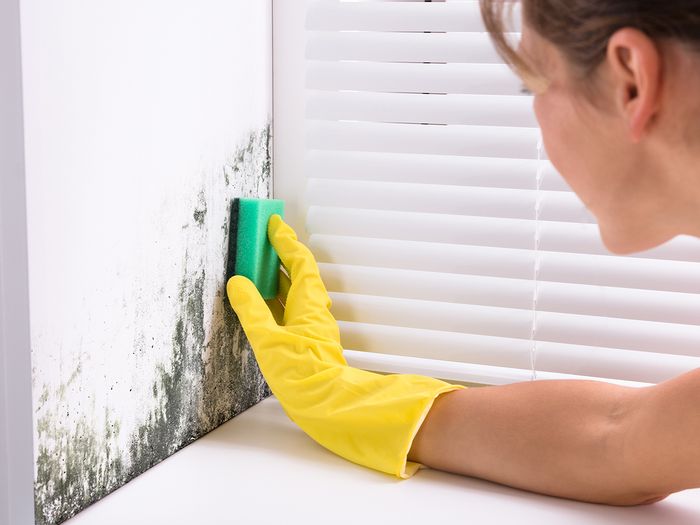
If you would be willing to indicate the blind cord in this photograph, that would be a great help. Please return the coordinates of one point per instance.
(536, 269)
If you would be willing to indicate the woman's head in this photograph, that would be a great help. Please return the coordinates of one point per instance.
(617, 95)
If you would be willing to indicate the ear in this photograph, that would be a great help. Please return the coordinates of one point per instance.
(635, 64)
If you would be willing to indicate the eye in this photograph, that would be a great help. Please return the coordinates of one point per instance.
(524, 90)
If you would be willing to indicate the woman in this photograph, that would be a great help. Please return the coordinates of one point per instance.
(617, 94)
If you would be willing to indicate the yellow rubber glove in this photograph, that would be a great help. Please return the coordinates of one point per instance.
(365, 417)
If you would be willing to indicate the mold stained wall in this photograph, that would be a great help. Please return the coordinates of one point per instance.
(143, 121)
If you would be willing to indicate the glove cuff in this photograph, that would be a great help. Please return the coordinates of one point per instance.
(409, 468)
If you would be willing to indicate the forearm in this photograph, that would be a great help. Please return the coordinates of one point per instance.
(563, 438)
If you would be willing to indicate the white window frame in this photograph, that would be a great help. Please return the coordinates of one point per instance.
(288, 81)
(16, 432)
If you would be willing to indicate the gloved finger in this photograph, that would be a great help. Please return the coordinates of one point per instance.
(255, 316)
(308, 305)
(285, 284)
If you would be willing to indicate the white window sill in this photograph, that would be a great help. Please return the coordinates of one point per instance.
(261, 468)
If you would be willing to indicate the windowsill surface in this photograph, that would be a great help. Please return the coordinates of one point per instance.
(261, 468)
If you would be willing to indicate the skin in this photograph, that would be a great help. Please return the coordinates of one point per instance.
(628, 145)
(627, 141)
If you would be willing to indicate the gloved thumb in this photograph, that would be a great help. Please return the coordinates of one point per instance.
(249, 305)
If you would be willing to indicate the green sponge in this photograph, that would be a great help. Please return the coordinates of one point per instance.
(250, 251)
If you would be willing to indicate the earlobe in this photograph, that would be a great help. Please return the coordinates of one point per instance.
(635, 64)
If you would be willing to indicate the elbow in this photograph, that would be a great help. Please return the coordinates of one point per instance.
(632, 499)
(628, 444)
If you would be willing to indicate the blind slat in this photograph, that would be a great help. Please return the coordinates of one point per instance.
(402, 47)
(448, 370)
(432, 198)
(427, 227)
(451, 346)
(394, 16)
(488, 79)
(627, 272)
(645, 367)
(472, 373)
(552, 358)
(433, 169)
(505, 232)
(579, 299)
(627, 334)
(476, 141)
(432, 315)
(494, 110)
(428, 286)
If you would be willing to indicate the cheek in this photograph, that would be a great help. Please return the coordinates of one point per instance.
(551, 119)
(563, 137)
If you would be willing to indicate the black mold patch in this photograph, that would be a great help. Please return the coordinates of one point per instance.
(201, 212)
(250, 165)
(85, 469)
(174, 422)
(206, 381)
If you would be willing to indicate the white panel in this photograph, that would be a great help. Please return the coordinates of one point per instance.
(402, 47)
(488, 79)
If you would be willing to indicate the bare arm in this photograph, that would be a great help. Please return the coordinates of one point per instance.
(663, 438)
(583, 440)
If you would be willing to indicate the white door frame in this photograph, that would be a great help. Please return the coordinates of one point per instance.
(16, 432)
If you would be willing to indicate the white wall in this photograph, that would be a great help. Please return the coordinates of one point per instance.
(142, 121)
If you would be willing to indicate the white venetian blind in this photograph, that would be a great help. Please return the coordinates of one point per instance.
(450, 246)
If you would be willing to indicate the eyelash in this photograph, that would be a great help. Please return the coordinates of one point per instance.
(524, 90)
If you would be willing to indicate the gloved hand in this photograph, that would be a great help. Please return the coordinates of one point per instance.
(365, 417)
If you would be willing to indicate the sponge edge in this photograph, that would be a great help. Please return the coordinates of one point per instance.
(256, 259)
